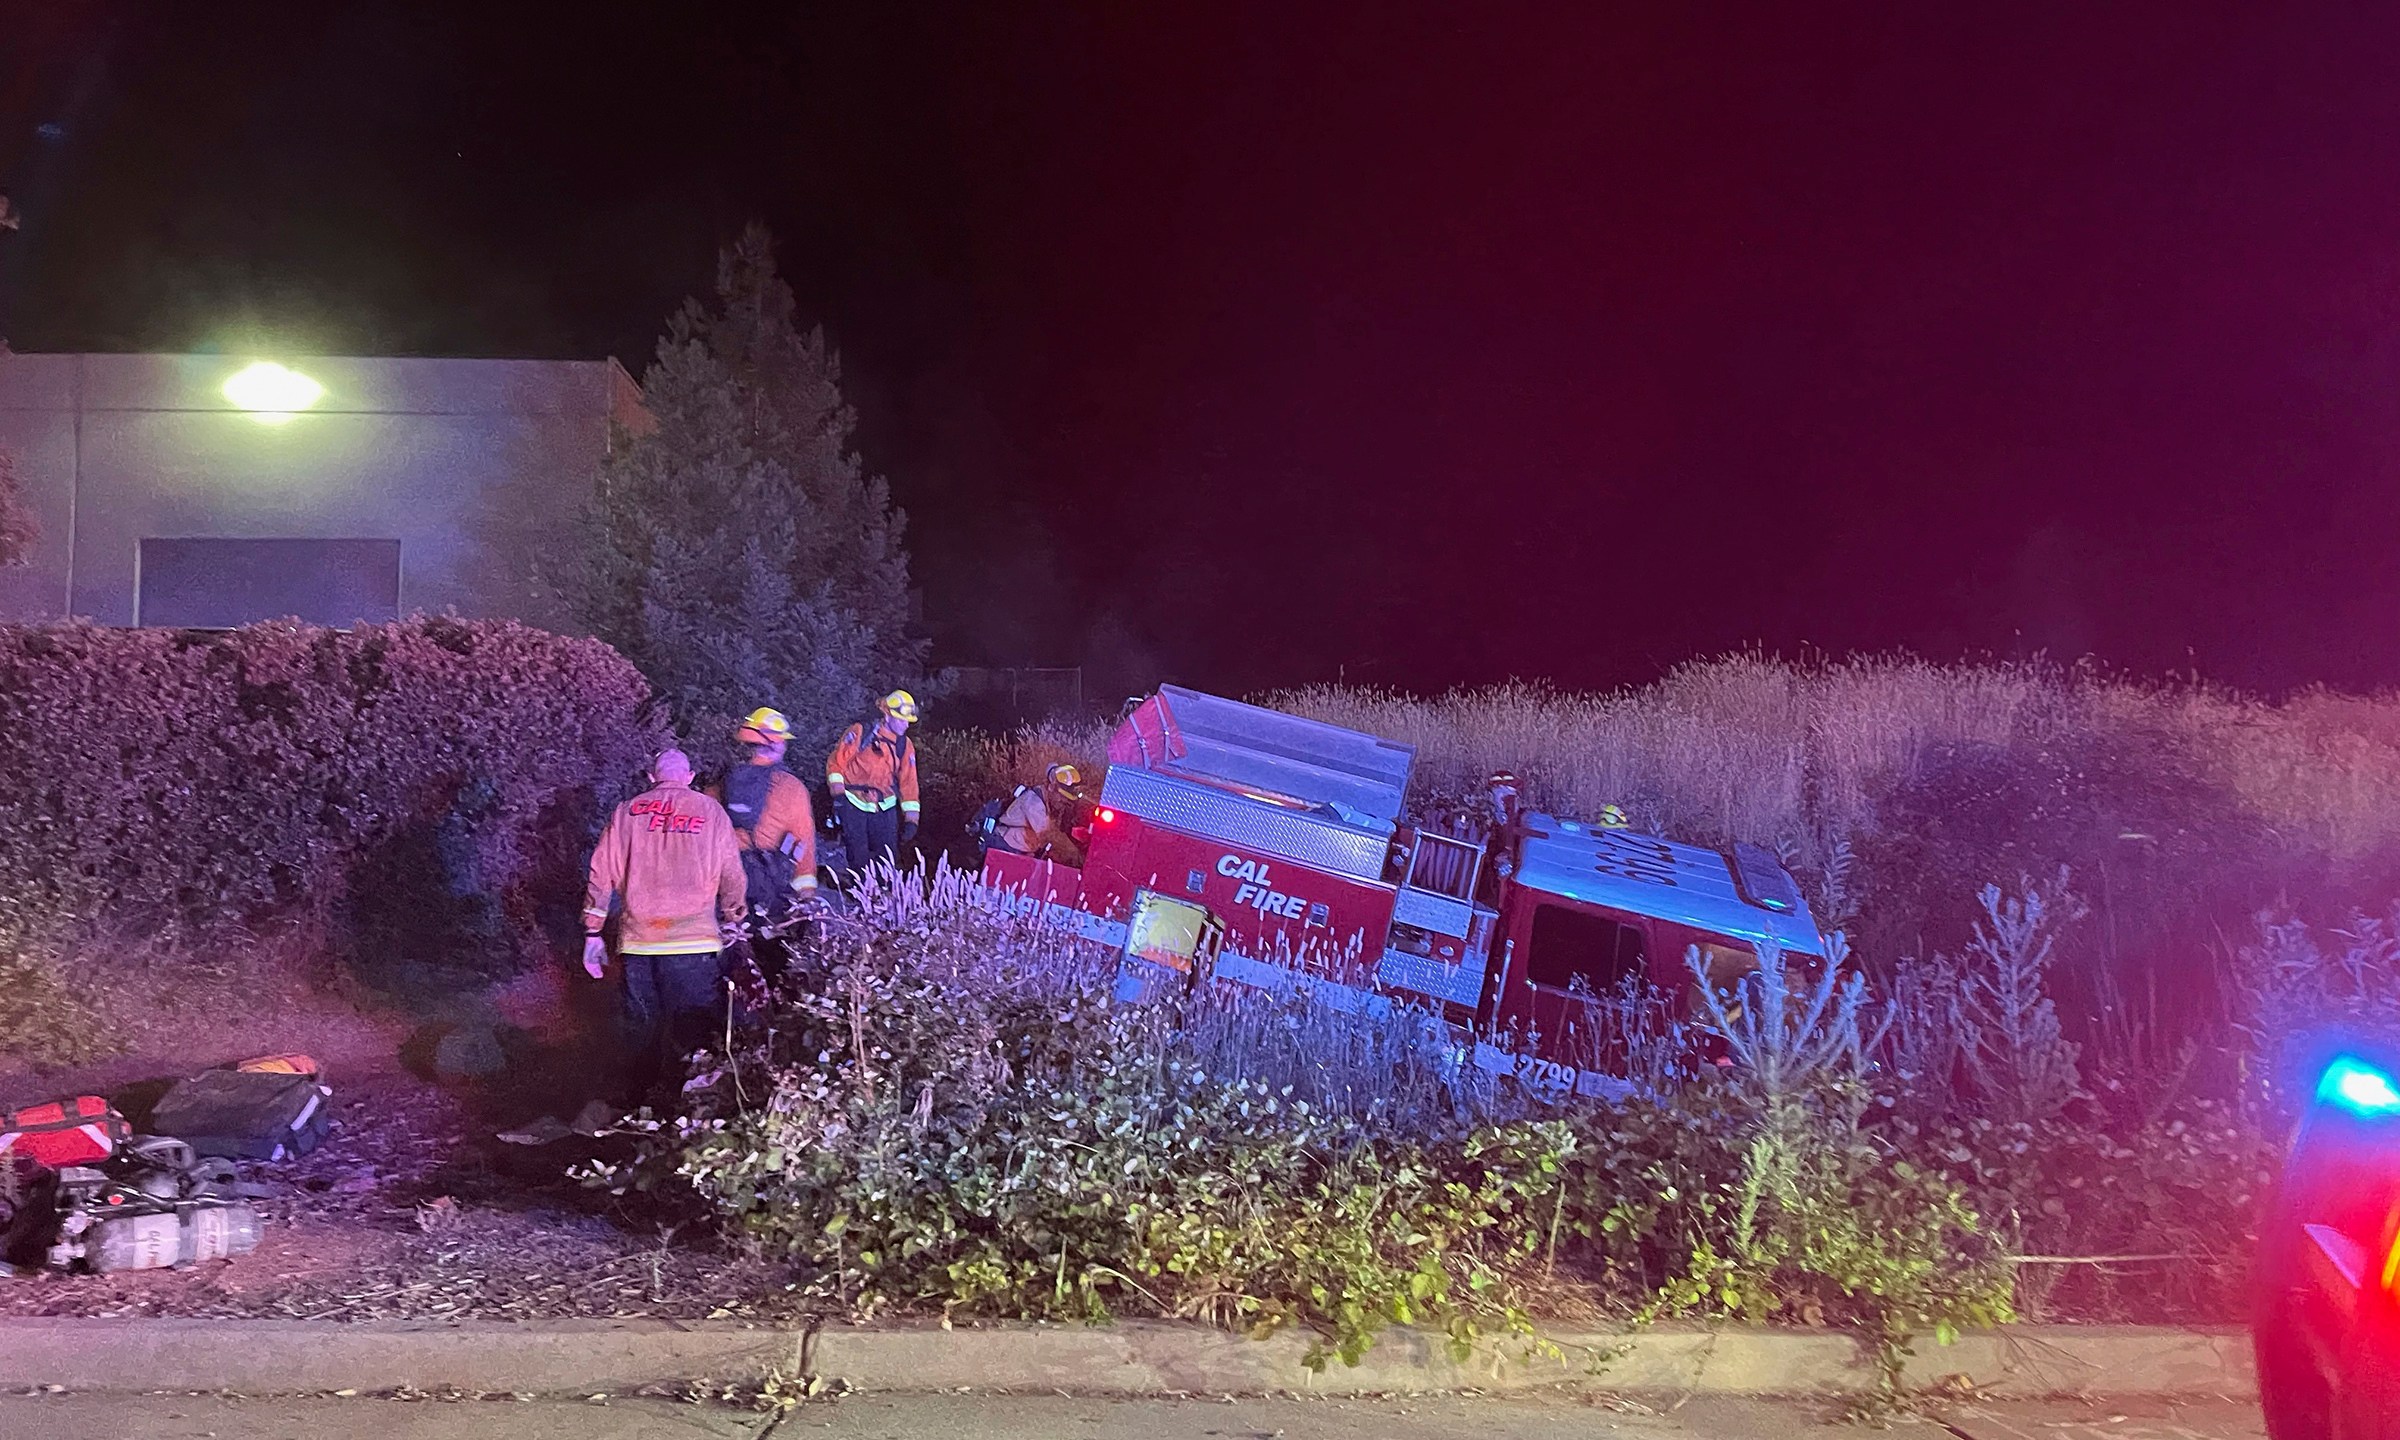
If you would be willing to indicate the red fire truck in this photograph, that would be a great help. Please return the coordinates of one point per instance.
(1255, 846)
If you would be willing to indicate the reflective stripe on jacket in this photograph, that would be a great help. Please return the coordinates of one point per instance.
(874, 771)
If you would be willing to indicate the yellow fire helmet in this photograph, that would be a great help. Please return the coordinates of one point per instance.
(764, 726)
(900, 705)
(1612, 817)
(1065, 777)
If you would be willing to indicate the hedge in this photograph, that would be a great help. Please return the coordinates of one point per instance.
(421, 790)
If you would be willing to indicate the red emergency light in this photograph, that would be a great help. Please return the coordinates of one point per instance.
(1105, 815)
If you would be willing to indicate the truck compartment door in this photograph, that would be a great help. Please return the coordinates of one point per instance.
(1168, 944)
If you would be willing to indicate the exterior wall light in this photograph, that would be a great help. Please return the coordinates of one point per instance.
(271, 393)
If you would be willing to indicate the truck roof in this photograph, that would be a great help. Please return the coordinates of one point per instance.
(1358, 779)
(1753, 900)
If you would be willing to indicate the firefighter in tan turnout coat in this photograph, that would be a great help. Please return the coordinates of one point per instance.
(670, 862)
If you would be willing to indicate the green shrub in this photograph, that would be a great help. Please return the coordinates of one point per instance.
(405, 787)
(2125, 1193)
(1775, 1185)
(952, 1116)
(960, 1120)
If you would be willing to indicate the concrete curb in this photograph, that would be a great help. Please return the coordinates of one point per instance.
(620, 1356)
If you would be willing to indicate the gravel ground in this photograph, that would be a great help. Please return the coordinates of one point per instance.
(413, 1211)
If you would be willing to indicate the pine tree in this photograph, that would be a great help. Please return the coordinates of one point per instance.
(739, 553)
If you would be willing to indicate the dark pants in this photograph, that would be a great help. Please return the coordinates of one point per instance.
(775, 954)
(869, 836)
(673, 1004)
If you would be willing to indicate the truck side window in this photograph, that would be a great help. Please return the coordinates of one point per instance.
(1728, 965)
(1572, 947)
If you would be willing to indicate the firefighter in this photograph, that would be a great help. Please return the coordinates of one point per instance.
(669, 857)
(1612, 817)
(872, 776)
(776, 828)
(1039, 821)
(1500, 792)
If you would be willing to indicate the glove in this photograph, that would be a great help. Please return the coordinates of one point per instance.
(595, 956)
(908, 831)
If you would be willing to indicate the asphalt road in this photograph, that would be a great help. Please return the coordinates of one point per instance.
(973, 1417)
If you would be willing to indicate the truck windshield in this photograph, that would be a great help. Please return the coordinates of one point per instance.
(1575, 949)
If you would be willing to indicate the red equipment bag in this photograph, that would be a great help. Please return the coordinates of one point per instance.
(82, 1130)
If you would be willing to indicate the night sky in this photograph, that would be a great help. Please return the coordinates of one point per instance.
(1249, 344)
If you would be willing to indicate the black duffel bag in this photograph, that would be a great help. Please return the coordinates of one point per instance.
(246, 1115)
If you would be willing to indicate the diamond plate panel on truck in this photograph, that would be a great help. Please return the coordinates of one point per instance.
(1253, 825)
(1460, 984)
(1254, 748)
(1428, 911)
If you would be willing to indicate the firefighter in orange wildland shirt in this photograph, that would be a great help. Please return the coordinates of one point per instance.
(670, 858)
(872, 775)
(776, 827)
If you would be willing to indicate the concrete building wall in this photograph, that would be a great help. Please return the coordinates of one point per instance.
(462, 462)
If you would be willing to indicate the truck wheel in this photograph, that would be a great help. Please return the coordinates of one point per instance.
(2297, 1401)
(2367, 1405)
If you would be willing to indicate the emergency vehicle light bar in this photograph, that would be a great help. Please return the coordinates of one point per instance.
(2352, 1084)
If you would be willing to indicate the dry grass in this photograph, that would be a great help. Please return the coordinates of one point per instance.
(961, 769)
(1796, 754)
(2178, 811)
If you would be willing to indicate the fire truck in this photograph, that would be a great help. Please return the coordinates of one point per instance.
(1236, 843)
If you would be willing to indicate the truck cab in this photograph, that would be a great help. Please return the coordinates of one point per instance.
(1282, 845)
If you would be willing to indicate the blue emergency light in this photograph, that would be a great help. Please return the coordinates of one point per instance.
(2359, 1088)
